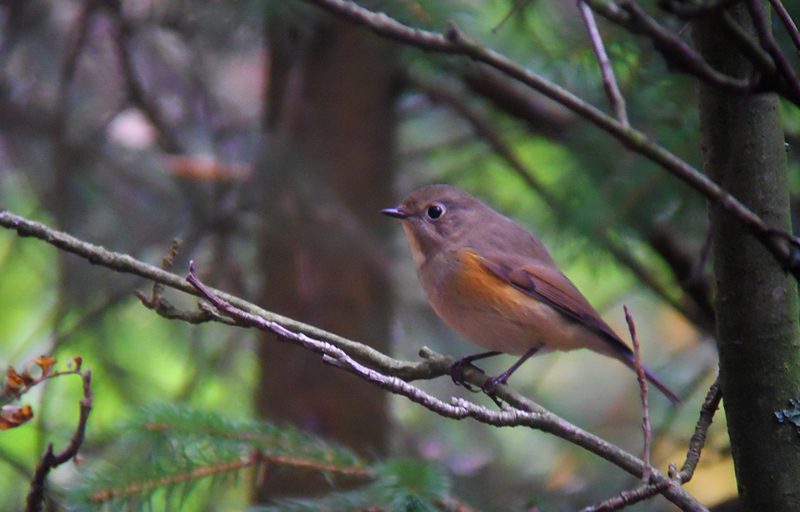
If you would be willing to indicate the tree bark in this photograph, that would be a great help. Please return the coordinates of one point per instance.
(325, 174)
(756, 302)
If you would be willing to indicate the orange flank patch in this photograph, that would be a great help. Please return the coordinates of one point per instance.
(476, 282)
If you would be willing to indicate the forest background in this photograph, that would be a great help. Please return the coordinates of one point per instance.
(267, 136)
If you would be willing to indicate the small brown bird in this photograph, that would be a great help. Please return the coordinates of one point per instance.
(495, 283)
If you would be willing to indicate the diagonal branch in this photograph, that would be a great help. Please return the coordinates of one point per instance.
(768, 42)
(782, 245)
(124, 263)
(606, 70)
(707, 411)
(787, 21)
(640, 375)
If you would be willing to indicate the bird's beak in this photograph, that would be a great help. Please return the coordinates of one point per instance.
(397, 213)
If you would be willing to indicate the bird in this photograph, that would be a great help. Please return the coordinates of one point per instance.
(494, 282)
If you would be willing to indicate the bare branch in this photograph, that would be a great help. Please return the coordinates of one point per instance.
(51, 461)
(680, 55)
(783, 246)
(768, 42)
(606, 70)
(698, 440)
(124, 263)
(787, 21)
(640, 375)
(627, 498)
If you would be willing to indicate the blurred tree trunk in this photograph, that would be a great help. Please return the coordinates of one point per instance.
(325, 173)
(756, 303)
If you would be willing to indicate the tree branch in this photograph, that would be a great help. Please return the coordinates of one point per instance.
(767, 40)
(124, 263)
(787, 21)
(627, 498)
(606, 70)
(707, 411)
(51, 461)
(640, 376)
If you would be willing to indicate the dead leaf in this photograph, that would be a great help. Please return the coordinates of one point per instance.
(16, 382)
(45, 363)
(12, 416)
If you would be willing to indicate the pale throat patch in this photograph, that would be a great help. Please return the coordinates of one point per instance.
(416, 250)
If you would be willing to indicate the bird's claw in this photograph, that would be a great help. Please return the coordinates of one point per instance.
(457, 374)
(489, 387)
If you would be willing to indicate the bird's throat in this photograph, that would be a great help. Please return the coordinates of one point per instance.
(416, 249)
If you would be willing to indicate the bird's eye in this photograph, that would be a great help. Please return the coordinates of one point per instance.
(435, 211)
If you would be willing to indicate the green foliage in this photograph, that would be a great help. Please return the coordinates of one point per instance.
(171, 449)
(164, 453)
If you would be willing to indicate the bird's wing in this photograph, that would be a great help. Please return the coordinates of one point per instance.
(552, 287)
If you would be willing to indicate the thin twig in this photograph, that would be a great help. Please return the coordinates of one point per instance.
(124, 263)
(518, 5)
(628, 498)
(615, 97)
(640, 375)
(769, 43)
(787, 21)
(51, 461)
(784, 247)
(707, 411)
(676, 52)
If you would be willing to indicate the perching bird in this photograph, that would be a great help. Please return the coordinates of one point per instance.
(495, 283)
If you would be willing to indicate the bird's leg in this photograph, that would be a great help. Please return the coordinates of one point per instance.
(490, 386)
(457, 370)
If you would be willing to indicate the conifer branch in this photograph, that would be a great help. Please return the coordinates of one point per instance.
(142, 488)
(178, 447)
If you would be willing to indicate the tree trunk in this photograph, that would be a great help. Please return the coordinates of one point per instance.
(325, 174)
(756, 302)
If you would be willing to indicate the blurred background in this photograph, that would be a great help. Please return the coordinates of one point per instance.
(267, 136)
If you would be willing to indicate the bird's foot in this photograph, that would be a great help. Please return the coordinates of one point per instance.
(490, 386)
(490, 389)
(457, 373)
